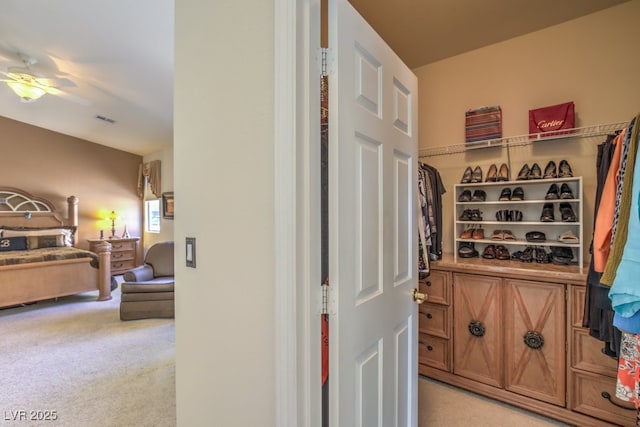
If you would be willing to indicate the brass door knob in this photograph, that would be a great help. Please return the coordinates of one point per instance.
(418, 296)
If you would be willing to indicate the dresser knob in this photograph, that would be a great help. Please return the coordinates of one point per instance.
(429, 348)
(428, 283)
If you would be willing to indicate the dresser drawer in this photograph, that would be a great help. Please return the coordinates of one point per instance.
(434, 320)
(434, 352)
(122, 266)
(587, 354)
(437, 287)
(587, 398)
(123, 246)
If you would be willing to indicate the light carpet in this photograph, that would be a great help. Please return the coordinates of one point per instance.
(75, 361)
(442, 405)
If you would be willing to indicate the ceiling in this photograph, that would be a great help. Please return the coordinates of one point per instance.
(118, 54)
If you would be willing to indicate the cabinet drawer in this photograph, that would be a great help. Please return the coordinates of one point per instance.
(434, 320)
(434, 352)
(119, 266)
(587, 354)
(122, 255)
(437, 288)
(123, 246)
(586, 397)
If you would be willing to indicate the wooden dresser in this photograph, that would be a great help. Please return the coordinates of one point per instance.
(512, 331)
(123, 253)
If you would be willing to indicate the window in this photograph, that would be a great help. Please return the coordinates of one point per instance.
(152, 215)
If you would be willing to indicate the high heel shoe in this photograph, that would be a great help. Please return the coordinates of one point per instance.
(524, 172)
(466, 176)
(476, 176)
(503, 174)
(492, 174)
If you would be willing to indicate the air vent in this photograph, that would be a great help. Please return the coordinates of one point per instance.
(105, 119)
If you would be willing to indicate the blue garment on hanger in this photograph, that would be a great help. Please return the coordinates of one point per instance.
(625, 289)
(627, 324)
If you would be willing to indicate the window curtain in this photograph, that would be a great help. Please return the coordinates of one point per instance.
(149, 173)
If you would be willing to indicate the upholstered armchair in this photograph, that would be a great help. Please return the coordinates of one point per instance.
(148, 290)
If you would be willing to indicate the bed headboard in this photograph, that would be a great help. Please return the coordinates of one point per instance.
(19, 208)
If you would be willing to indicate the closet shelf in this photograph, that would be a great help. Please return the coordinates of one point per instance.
(514, 141)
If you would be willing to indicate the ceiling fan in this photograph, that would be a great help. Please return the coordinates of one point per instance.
(30, 85)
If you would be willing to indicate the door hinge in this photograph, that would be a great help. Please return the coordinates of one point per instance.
(326, 61)
(326, 301)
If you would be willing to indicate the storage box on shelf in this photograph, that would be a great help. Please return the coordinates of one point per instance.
(519, 217)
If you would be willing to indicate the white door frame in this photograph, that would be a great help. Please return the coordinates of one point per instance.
(297, 213)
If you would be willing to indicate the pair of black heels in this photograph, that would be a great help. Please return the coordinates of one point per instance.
(562, 171)
(471, 215)
(471, 176)
(516, 195)
(555, 193)
(477, 196)
(566, 213)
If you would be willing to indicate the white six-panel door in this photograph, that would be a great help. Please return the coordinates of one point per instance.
(372, 226)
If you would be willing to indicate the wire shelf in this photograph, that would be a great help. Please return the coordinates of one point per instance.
(514, 141)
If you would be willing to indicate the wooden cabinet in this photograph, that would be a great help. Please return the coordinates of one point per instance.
(510, 334)
(592, 374)
(478, 336)
(534, 327)
(123, 253)
(513, 333)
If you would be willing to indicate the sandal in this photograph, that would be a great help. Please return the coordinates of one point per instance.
(497, 235)
(508, 235)
(568, 237)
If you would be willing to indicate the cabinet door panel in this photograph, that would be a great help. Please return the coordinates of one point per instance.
(477, 328)
(535, 340)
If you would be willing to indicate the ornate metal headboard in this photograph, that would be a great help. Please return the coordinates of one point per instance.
(20, 208)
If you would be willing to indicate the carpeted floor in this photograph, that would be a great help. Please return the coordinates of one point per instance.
(441, 405)
(74, 362)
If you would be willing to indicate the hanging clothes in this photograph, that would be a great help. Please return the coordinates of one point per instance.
(598, 314)
(430, 191)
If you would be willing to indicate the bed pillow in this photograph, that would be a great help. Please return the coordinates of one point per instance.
(66, 231)
(49, 241)
(13, 243)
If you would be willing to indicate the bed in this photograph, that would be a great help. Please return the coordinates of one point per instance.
(39, 257)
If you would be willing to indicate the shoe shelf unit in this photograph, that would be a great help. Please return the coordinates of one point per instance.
(484, 215)
(514, 141)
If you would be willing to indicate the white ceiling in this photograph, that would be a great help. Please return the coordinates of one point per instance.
(119, 53)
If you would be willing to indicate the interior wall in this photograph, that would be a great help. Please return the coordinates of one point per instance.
(55, 166)
(589, 60)
(224, 186)
(166, 184)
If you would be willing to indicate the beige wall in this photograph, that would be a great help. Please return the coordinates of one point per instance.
(590, 61)
(224, 186)
(56, 166)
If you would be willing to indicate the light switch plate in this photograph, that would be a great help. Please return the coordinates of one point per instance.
(191, 252)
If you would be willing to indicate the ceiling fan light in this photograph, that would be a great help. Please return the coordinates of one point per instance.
(26, 91)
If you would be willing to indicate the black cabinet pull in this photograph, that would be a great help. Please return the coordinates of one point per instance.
(533, 340)
(428, 283)
(608, 397)
(429, 316)
(476, 328)
(429, 348)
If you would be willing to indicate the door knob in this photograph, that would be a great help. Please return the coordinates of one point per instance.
(418, 296)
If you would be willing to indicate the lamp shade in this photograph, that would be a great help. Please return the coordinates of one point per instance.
(26, 91)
